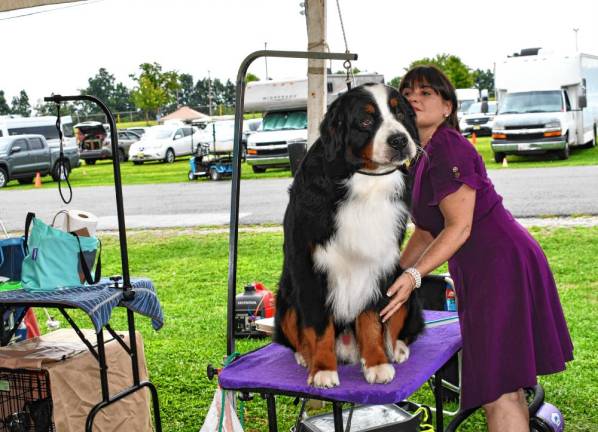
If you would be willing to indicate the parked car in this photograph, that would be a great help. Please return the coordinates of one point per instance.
(474, 120)
(165, 143)
(95, 143)
(22, 156)
(139, 130)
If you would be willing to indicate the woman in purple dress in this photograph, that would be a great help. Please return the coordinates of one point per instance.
(512, 323)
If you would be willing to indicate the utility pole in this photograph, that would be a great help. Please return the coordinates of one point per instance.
(315, 17)
(266, 59)
(210, 94)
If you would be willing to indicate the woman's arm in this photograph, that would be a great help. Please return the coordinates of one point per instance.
(417, 244)
(457, 209)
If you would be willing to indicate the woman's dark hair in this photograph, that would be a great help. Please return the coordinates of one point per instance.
(432, 76)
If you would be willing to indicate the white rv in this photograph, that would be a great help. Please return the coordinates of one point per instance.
(548, 103)
(284, 104)
(43, 125)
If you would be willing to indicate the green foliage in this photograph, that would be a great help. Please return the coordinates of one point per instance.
(103, 86)
(4, 108)
(20, 104)
(456, 71)
(395, 82)
(251, 77)
(484, 79)
(155, 89)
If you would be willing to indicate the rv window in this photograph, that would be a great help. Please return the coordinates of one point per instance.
(50, 132)
(285, 120)
(532, 102)
(567, 103)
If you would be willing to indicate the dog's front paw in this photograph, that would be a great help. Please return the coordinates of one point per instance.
(380, 374)
(300, 360)
(324, 379)
(401, 352)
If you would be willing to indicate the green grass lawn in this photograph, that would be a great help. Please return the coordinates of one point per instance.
(189, 269)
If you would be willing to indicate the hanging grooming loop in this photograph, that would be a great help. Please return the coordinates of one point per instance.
(62, 169)
(128, 292)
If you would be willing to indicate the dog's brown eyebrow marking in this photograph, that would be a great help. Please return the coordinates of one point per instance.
(393, 102)
(369, 108)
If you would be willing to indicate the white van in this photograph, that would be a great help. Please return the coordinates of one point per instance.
(43, 125)
(284, 104)
(548, 103)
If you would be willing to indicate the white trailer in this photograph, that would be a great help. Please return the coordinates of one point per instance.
(284, 104)
(548, 103)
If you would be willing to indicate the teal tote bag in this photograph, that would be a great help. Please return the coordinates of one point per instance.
(57, 259)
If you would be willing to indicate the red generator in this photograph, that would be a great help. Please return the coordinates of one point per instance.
(255, 303)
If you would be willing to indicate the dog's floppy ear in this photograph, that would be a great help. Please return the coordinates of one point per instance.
(332, 130)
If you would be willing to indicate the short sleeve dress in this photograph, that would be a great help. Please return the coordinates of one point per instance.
(512, 323)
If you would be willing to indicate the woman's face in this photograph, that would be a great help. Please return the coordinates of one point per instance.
(430, 108)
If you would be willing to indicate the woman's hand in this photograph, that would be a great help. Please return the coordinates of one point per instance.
(400, 291)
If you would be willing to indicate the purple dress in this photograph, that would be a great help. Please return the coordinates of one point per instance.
(511, 318)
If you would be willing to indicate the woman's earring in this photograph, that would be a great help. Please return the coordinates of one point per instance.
(446, 115)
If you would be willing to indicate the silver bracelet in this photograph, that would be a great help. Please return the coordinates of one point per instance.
(416, 275)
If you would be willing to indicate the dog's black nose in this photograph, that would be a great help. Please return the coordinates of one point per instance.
(397, 141)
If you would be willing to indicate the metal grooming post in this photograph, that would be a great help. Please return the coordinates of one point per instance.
(236, 180)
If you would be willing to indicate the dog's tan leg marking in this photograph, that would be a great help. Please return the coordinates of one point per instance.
(394, 326)
(291, 331)
(370, 337)
(322, 357)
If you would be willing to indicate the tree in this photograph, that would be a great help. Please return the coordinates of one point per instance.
(395, 82)
(20, 104)
(103, 86)
(251, 77)
(484, 79)
(4, 108)
(456, 71)
(155, 89)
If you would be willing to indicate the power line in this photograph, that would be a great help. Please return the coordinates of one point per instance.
(81, 3)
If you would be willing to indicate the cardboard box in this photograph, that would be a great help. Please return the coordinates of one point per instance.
(75, 379)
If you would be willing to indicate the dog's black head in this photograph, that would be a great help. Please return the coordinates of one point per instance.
(371, 127)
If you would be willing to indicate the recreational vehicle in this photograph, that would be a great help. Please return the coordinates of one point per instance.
(284, 104)
(548, 103)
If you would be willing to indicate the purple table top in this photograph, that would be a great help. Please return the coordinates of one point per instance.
(273, 368)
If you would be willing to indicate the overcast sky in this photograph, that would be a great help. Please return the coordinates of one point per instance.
(58, 50)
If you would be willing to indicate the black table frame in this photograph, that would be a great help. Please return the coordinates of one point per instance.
(127, 289)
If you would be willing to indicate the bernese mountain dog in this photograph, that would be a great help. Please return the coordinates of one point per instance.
(343, 226)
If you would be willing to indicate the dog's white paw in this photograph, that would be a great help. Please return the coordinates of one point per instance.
(380, 374)
(401, 351)
(324, 379)
(300, 360)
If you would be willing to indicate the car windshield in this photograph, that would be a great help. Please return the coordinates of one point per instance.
(476, 108)
(158, 133)
(464, 105)
(4, 144)
(285, 120)
(532, 102)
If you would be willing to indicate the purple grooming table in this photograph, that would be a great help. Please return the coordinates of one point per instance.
(272, 369)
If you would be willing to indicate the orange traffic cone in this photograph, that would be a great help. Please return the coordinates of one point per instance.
(38, 180)
(474, 138)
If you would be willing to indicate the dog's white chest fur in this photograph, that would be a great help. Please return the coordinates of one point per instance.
(365, 246)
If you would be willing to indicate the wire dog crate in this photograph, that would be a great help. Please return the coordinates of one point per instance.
(25, 401)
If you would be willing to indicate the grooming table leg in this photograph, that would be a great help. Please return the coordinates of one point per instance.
(438, 399)
(337, 411)
(272, 422)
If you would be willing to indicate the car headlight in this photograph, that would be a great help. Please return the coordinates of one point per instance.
(553, 124)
